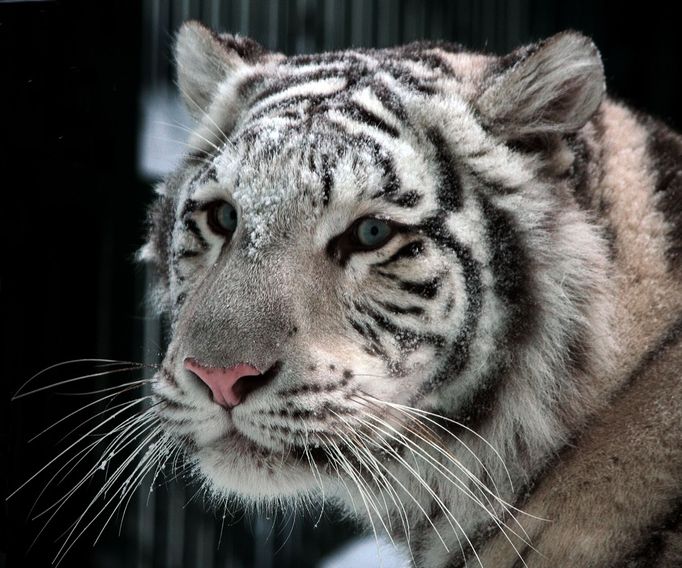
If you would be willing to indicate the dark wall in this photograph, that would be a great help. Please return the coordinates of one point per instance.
(72, 205)
(71, 219)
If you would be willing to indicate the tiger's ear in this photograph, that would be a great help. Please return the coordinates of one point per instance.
(554, 86)
(204, 59)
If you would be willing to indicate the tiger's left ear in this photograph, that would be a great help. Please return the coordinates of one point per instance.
(205, 59)
(553, 87)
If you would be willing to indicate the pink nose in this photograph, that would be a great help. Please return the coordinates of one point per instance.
(223, 381)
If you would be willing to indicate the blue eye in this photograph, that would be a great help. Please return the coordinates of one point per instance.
(373, 233)
(221, 217)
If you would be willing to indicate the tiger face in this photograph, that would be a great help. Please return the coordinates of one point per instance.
(373, 259)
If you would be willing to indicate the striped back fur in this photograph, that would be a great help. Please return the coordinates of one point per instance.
(427, 382)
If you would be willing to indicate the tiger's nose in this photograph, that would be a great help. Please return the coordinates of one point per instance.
(229, 385)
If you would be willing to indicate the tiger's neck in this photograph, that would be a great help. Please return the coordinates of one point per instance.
(558, 380)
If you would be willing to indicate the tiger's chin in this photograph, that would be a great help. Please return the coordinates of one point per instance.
(235, 466)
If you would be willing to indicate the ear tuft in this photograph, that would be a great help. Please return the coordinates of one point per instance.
(204, 59)
(554, 86)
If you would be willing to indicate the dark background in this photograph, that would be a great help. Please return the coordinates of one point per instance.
(72, 76)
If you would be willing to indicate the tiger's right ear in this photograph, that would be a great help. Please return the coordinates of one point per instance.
(204, 59)
(554, 86)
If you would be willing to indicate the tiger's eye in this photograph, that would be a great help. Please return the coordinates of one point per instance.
(222, 217)
(373, 233)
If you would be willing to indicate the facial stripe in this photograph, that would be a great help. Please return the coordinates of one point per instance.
(191, 225)
(450, 188)
(402, 310)
(512, 269)
(410, 250)
(459, 348)
(427, 289)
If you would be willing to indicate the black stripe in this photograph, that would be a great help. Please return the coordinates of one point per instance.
(458, 357)
(327, 181)
(427, 290)
(661, 546)
(382, 158)
(406, 338)
(314, 105)
(357, 327)
(375, 348)
(410, 250)
(407, 199)
(186, 253)
(362, 114)
(523, 555)
(246, 48)
(189, 206)
(512, 269)
(191, 225)
(665, 150)
(170, 377)
(671, 337)
(587, 169)
(449, 192)
(171, 404)
(160, 220)
(278, 85)
(401, 73)
(390, 101)
(583, 160)
(182, 296)
(409, 310)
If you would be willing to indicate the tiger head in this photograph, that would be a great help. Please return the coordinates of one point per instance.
(369, 254)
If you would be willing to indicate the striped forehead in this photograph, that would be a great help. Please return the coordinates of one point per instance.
(358, 83)
(311, 120)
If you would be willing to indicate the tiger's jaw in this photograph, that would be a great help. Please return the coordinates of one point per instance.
(229, 459)
(235, 465)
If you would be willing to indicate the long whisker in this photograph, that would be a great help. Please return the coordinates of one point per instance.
(337, 455)
(190, 131)
(80, 409)
(385, 483)
(435, 443)
(73, 362)
(127, 432)
(25, 483)
(187, 96)
(507, 507)
(81, 378)
(447, 474)
(390, 450)
(456, 423)
(139, 382)
(314, 469)
(448, 514)
(70, 541)
(362, 460)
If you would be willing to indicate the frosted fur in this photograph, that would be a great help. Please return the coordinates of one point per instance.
(425, 385)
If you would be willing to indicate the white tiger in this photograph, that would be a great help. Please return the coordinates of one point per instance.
(428, 284)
